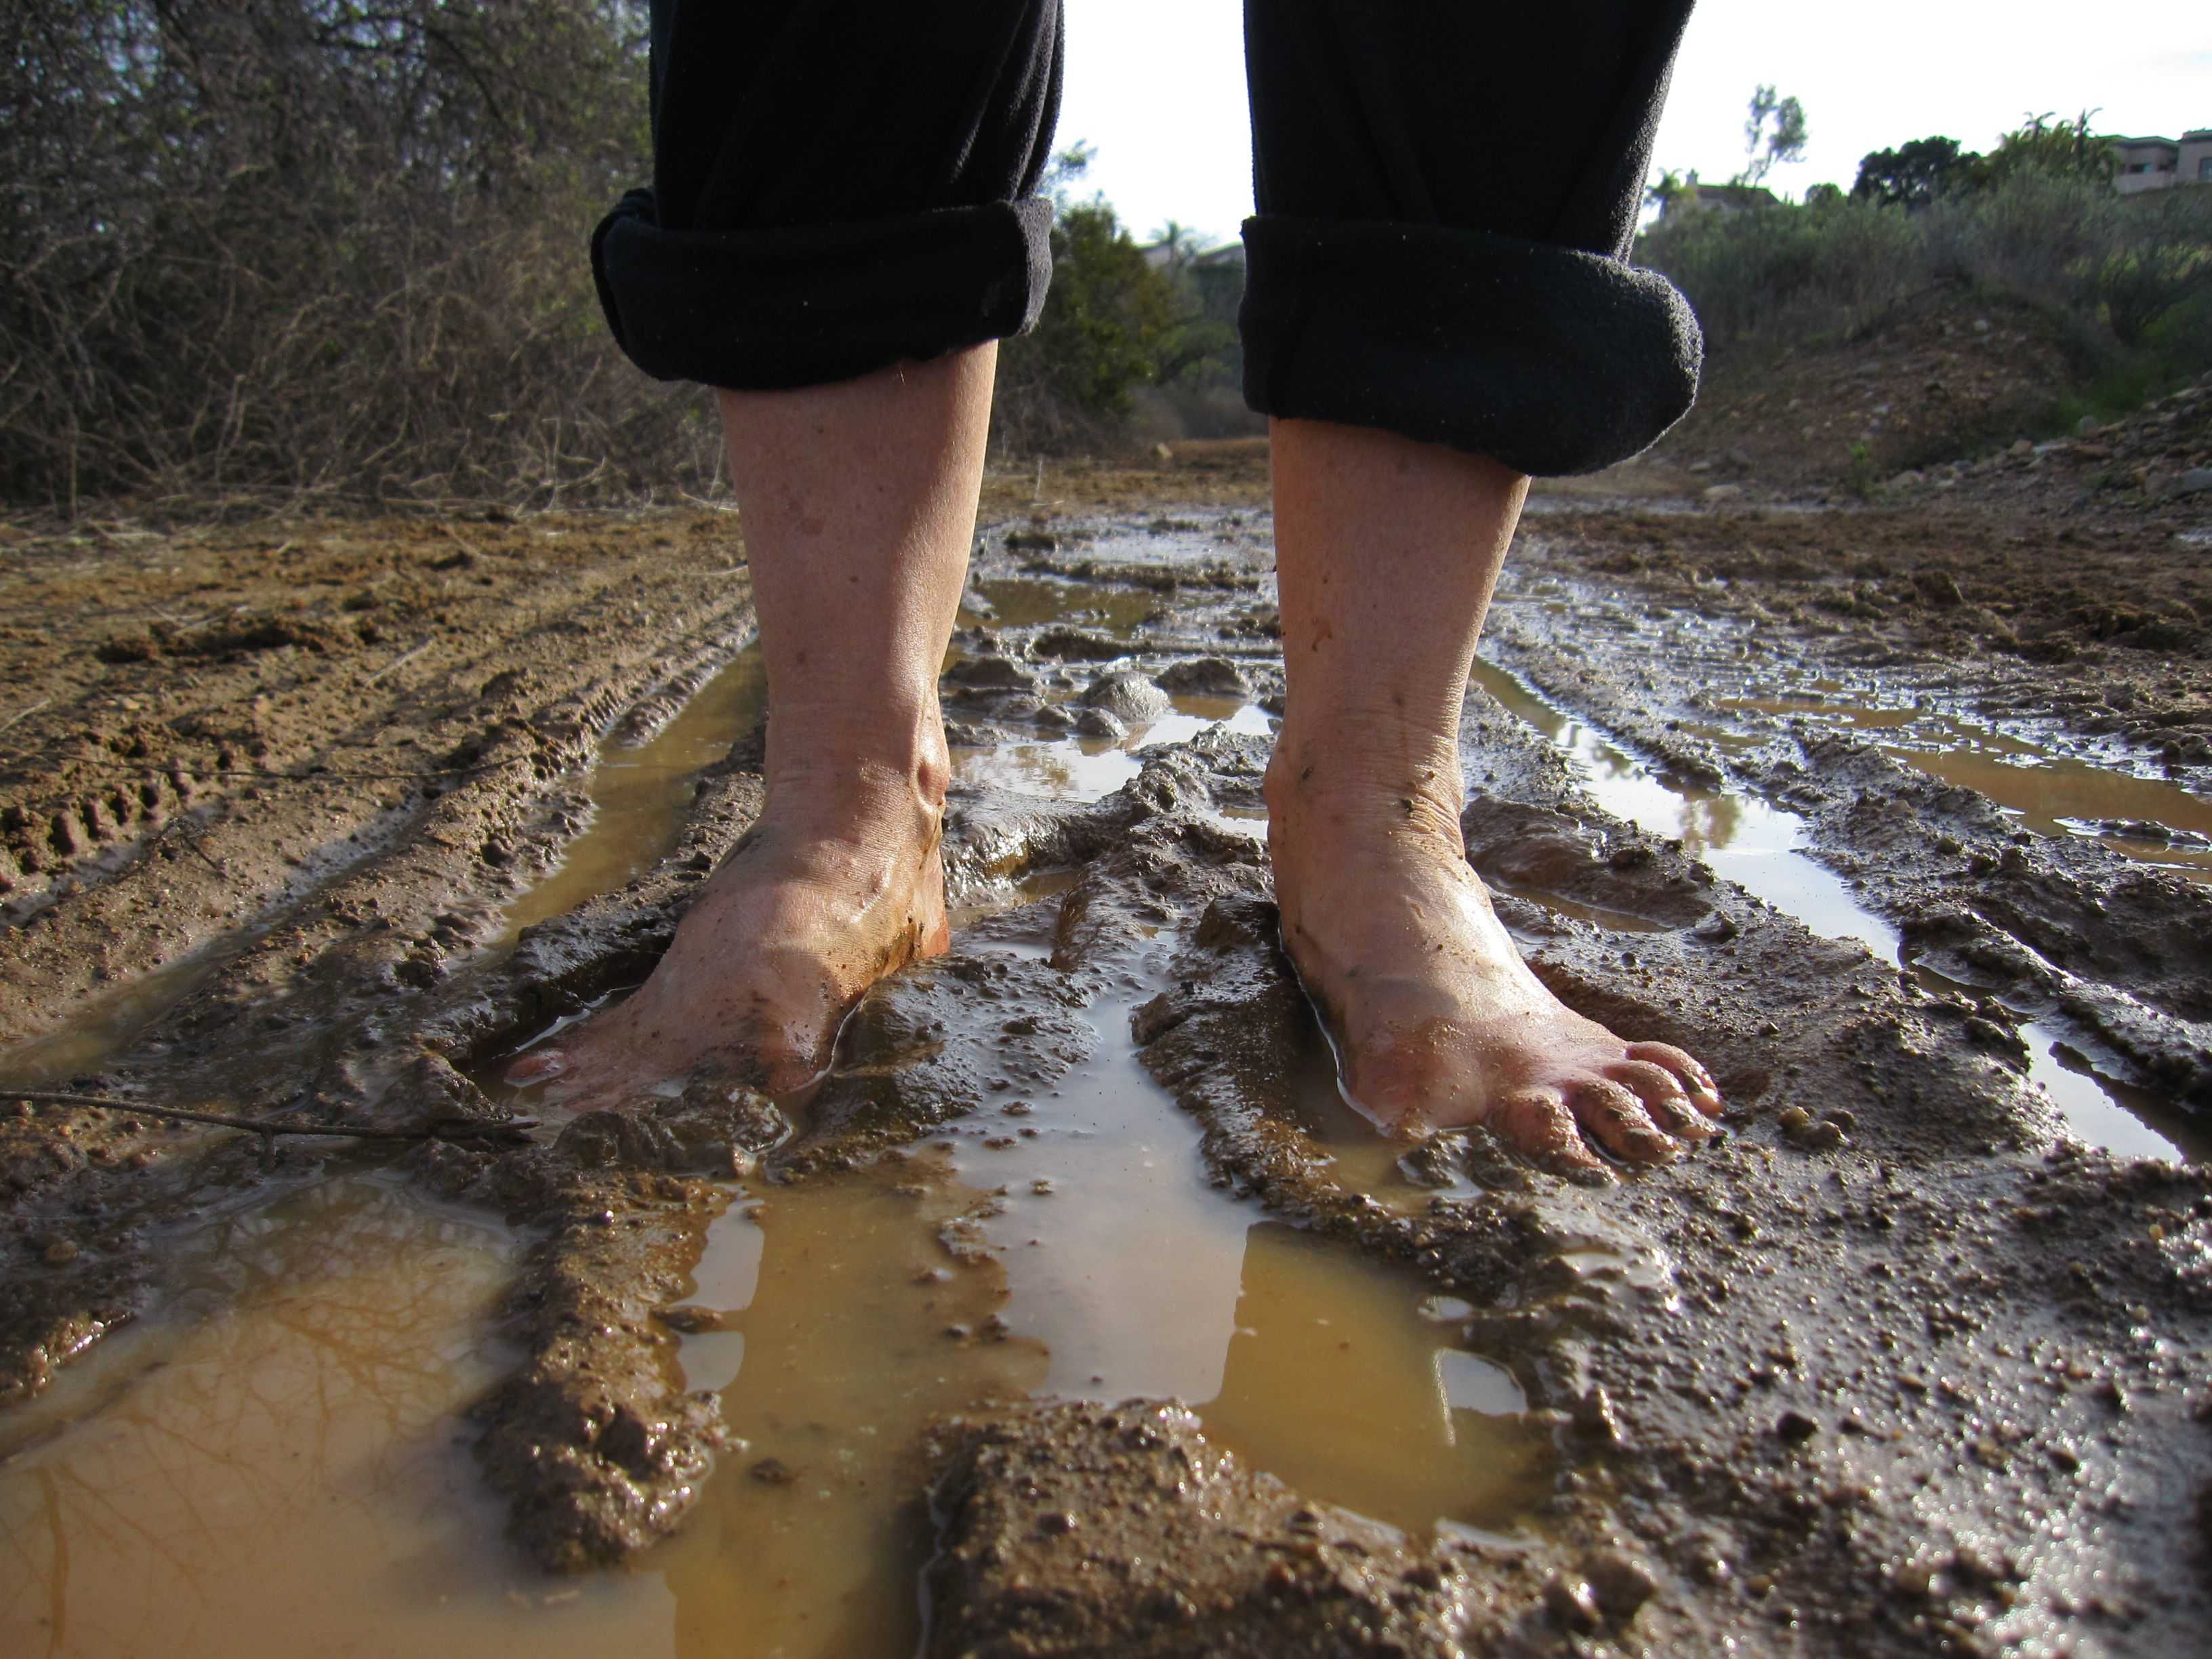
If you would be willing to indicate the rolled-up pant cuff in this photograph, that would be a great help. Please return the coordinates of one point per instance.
(1547, 359)
(771, 309)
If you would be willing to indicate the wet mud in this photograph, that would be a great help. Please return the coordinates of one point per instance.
(1074, 1312)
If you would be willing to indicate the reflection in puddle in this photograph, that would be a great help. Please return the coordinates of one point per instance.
(1760, 848)
(1075, 768)
(640, 793)
(274, 1464)
(2099, 1110)
(1336, 1383)
(846, 1330)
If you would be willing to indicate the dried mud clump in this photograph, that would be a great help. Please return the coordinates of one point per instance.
(1075, 1530)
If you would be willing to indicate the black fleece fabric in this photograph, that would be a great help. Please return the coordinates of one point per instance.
(1446, 194)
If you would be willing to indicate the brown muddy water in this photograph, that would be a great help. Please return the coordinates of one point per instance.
(279, 1460)
(1761, 847)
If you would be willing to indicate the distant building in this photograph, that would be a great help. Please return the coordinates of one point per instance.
(2161, 163)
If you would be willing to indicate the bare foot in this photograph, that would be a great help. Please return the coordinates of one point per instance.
(1437, 1021)
(819, 901)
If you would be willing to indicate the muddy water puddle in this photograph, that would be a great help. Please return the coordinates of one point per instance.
(272, 1463)
(1757, 846)
(280, 1458)
(639, 792)
(2143, 819)
(1039, 601)
(1071, 767)
(1762, 848)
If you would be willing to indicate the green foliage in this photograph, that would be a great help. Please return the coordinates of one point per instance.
(1776, 266)
(1917, 173)
(2055, 148)
(1667, 188)
(2124, 282)
(2157, 264)
(1860, 479)
(1109, 315)
(1114, 321)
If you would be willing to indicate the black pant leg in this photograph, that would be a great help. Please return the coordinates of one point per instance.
(1447, 192)
(837, 186)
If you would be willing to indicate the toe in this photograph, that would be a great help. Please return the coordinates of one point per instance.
(1663, 1096)
(1696, 1082)
(1617, 1118)
(1536, 1121)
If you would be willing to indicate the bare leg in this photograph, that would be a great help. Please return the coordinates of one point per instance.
(859, 504)
(1388, 553)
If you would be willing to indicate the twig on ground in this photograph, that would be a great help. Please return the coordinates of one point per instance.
(397, 663)
(447, 1128)
(25, 713)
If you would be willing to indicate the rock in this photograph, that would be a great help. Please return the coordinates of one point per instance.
(2086, 426)
(1212, 676)
(1077, 644)
(2195, 482)
(1906, 479)
(1621, 1583)
(1101, 723)
(1723, 492)
(1939, 589)
(1128, 695)
(1573, 1604)
(991, 674)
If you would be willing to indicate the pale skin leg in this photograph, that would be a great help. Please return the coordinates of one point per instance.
(858, 503)
(1387, 554)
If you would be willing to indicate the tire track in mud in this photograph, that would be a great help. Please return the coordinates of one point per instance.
(1888, 1370)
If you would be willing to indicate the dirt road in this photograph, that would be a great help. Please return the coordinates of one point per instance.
(1893, 814)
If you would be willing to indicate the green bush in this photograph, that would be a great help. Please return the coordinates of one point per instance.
(1114, 321)
(2126, 282)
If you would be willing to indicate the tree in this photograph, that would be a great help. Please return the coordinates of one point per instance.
(2066, 149)
(1668, 188)
(1914, 174)
(1762, 148)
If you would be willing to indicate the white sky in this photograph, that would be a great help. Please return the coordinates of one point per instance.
(1158, 87)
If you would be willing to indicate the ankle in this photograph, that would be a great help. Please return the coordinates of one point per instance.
(1342, 790)
(852, 795)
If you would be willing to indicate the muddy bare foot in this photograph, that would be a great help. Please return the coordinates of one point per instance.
(1437, 1021)
(817, 902)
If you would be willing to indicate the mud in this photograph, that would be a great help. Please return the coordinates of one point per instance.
(1901, 1365)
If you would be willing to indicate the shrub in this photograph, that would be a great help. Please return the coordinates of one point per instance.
(317, 246)
(2108, 270)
